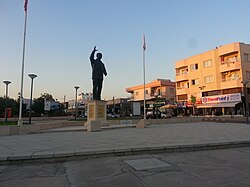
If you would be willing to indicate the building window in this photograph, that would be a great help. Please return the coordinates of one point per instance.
(136, 93)
(193, 67)
(195, 82)
(246, 57)
(248, 74)
(207, 63)
(182, 97)
(146, 91)
(209, 79)
(172, 100)
(171, 90)
(159, 92)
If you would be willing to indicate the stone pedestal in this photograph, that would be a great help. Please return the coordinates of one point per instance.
(97, 115)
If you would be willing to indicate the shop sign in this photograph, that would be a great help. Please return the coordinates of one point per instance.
(222, 98)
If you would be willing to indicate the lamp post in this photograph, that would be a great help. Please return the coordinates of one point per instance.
(32, 76)
(6, 97)
(246, 99)
(76, 105)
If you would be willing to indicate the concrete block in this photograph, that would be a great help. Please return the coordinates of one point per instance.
(142, 123)
(4, 130)
(93, 126)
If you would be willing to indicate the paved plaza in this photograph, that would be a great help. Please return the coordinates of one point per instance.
(126, 141)
(214, 168)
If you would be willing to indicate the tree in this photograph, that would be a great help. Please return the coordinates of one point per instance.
(38, 105)
(193, 101)
(11, 103)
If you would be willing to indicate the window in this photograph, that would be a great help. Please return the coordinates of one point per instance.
(193, 67)
(159, 92)
(209, 79)
(195, 82)
(171, 90)
(207, 63)
(136, 93)
(246, 57)
(182, 97)
(248, 74)
(146, 91)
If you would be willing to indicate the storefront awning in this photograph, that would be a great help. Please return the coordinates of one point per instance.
(217, 105)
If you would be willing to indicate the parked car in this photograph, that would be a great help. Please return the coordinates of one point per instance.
(157, 114)
(113, 115)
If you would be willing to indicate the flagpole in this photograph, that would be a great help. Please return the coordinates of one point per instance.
(20, 122)
(144, 75)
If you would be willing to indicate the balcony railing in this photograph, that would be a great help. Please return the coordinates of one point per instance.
(230, 79)
(230, 83)
(181, 73)
(230, 66)
(181, 76)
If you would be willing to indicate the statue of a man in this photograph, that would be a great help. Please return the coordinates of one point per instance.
(98, 69)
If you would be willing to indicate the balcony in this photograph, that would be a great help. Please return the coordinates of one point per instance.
(231, 83)
(181, 91)
(181, 76)
(230, 66)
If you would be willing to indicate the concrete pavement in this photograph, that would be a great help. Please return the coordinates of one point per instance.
(78, 144)
(214, 168)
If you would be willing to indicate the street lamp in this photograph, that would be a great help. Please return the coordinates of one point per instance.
(32, 76)
(246, 99)
(6, 97)
(76, 106)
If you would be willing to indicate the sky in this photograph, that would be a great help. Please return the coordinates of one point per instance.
(61, 35)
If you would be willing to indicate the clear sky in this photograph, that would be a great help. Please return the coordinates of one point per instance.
(62, 33)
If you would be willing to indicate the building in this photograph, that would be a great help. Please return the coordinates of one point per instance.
(213, 80)
(159, 91)
(82, 102)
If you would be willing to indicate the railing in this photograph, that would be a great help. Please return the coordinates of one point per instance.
(230, 60)
(182, 73)
(230, 79)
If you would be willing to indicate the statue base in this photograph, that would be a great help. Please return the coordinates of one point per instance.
(97, 115)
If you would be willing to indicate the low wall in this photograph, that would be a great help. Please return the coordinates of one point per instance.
(39, 128)
(35, 128)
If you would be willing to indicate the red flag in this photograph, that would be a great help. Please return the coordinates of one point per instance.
(25, 5)
(144, 43)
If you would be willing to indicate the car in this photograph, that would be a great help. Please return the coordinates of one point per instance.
(113, 115)
(153, 114)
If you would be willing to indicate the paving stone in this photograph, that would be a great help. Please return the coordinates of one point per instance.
(146, 163)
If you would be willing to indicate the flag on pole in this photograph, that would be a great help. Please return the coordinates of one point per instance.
(144, 43)
(25, 5)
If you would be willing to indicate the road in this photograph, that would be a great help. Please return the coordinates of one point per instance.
(225, 167)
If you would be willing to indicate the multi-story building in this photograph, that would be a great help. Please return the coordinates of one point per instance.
(157, 90)
(214, 79)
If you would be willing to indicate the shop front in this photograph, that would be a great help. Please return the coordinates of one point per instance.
(229, 104)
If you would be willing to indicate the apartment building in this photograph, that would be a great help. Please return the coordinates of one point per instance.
(213, 80)
(159, 89)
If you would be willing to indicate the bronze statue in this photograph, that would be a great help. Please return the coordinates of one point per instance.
(98, 69)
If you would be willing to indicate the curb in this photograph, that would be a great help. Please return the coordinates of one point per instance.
(61, 156)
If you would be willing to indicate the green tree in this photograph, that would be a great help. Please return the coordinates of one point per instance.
(11, 103)
(193, 101)
(38, 104)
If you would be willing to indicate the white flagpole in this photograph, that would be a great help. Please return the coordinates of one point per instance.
(144, 75)
(20, 122)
